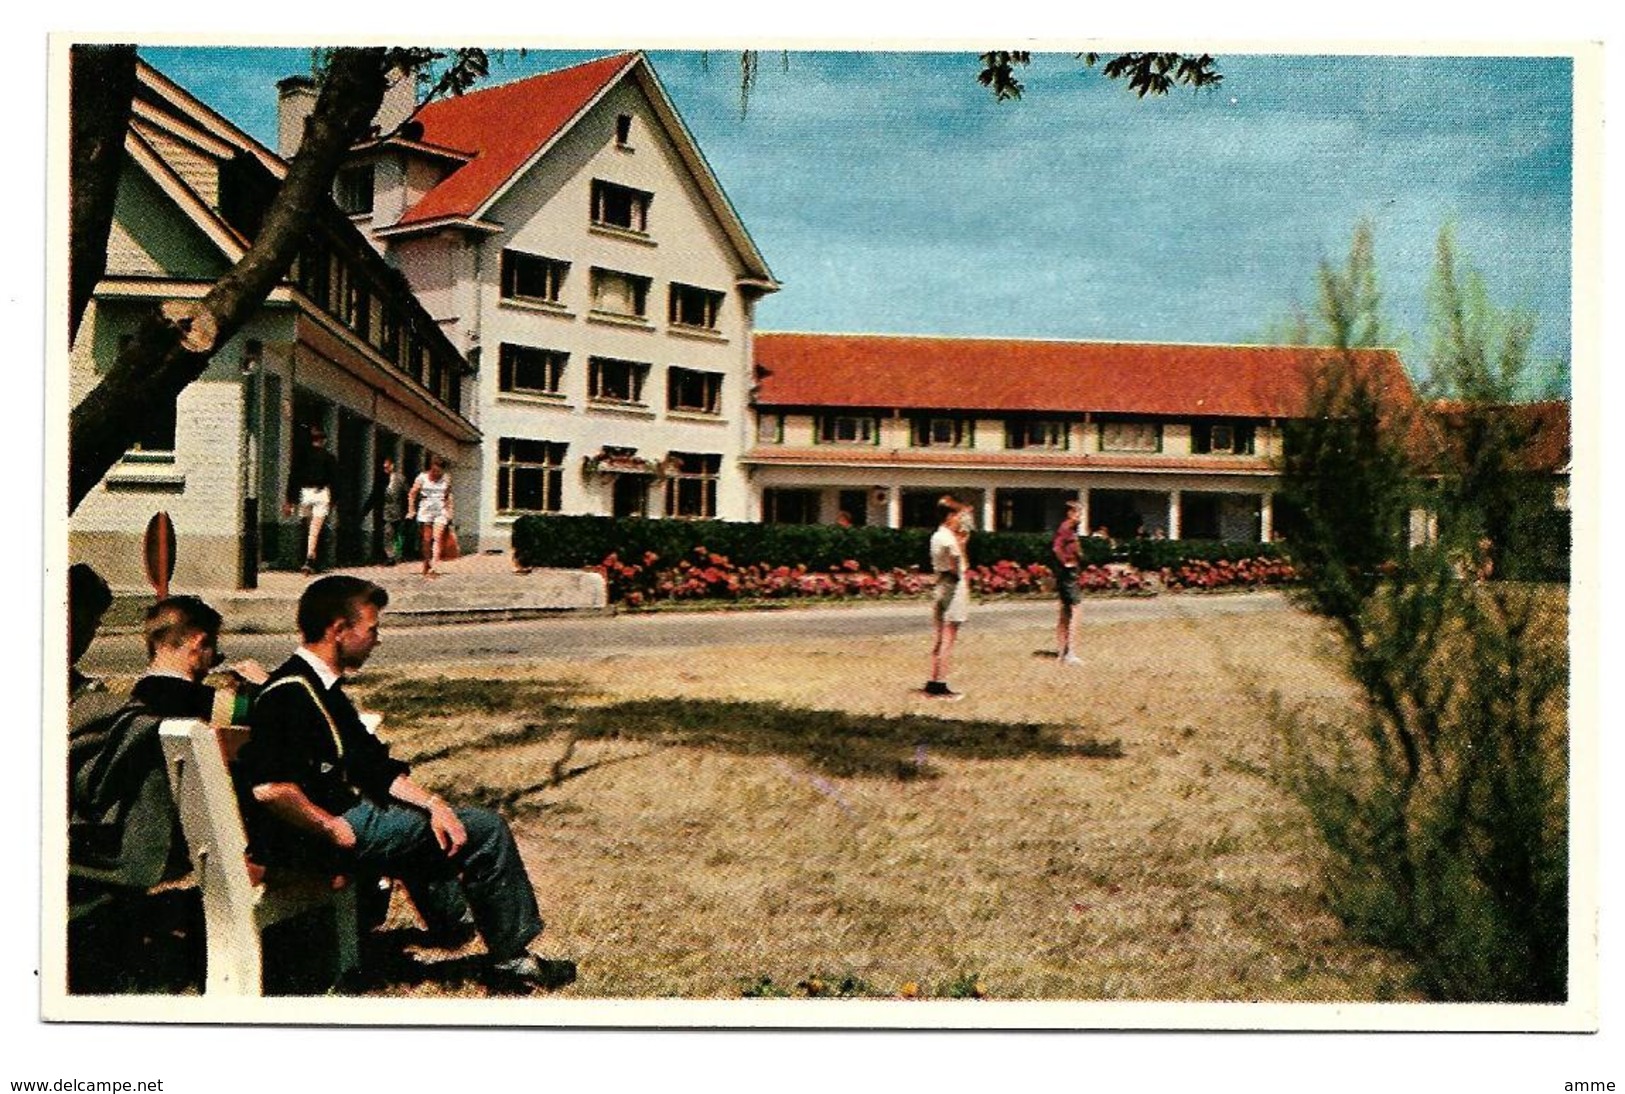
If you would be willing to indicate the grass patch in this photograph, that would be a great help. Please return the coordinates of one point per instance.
(746, 820)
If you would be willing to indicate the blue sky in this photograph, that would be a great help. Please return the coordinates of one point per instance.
(890, 193)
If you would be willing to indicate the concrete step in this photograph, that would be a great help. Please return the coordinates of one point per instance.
(476, 588)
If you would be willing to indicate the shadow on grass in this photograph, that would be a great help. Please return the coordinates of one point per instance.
(546, 706)
(835, 743)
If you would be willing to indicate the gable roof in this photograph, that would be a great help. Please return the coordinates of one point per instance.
(504, 130)
(501, 129)
(910, 372)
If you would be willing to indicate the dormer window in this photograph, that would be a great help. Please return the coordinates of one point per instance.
(1130, 436)
(620, 207)
(848, 429)
(942, 432)
(623, 132)
(1050, 433)
(1222, 438)
(352, 189)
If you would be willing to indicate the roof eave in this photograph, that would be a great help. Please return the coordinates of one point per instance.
(206, 117)
(423, 148)
(435, 224)
(231, 245)
(689, 148)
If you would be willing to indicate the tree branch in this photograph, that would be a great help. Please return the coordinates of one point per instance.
(170, 351)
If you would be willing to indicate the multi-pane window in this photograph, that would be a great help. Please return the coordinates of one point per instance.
(530, 476)
(1035, 433)
(357, 308)
(1222, 438)
(352, 189)
(528, 369)
(615, 206)
(688, 389)
(616, 381)
(532, 277)
(942, 432)
(694, 307)
(790, 506)
(389, 332)
(1129, 436)
(617, 293)
(691, 488)
(848, 429)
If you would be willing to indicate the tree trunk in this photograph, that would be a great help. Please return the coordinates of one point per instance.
(173, 347)
(101, 87)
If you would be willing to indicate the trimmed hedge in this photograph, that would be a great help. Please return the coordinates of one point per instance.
(576, 542)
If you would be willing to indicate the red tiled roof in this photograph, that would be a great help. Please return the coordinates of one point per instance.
(910, 372)
(502, 128)
(1542, 430)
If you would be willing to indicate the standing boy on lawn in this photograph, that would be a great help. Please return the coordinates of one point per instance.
(1068, 555)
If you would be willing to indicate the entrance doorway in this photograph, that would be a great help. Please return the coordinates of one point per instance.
(855, 504)
(630, 496)
(350, 492)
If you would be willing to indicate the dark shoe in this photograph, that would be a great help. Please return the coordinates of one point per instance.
(309, 567)
(451, 936)
(938, 689)
(527, 972)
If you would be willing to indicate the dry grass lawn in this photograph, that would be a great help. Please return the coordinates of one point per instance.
(797, 818)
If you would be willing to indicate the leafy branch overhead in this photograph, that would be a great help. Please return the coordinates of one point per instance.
(1146, 73)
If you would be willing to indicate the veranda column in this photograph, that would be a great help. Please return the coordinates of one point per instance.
(1173, 514)
(894, 507)
(372, 544)
(990, 510)
(1266, 517)
(1085, 525)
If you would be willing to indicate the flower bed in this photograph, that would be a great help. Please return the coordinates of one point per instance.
(708, 576)
(1228, 573)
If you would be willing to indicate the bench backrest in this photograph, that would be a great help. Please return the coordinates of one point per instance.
(195, 757)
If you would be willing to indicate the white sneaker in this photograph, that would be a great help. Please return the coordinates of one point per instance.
(1070, 659)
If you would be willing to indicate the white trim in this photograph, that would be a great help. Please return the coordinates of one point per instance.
(232, 246)
(206, 117)
(144, 113)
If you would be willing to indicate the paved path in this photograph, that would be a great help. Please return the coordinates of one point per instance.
(567, 637)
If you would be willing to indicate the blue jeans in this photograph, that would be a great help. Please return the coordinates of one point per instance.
(396, 841)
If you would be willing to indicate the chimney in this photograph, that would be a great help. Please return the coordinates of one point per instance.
(295, 99)
(400, 100)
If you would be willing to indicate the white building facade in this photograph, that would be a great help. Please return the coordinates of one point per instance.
(567, 235)
(1154, 440)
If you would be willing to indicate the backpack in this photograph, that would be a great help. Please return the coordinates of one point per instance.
(123, 828)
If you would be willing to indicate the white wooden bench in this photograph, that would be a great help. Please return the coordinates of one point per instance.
(241, 899)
